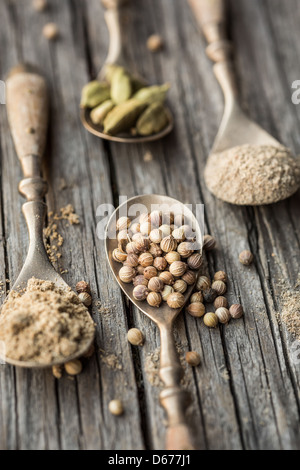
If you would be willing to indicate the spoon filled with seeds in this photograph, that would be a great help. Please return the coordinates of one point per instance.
(119, 105)
(42, 322)
(155, 257)
(247, 166)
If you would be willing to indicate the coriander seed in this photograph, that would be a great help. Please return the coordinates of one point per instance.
(189, 277)
(145, 259)
(142, 244)
(135, 337)
(154, 43)
(166, 292)
(196, 309)
(192, 358)
(172, 257)
(132, 249)
(246, 257)
(219, 287)
(40, 5)
(195, 261)
(155, 284)
(185, 249)
(119, 256)
(168, 244)
(155, 235)
(179, 235)
(73, 367)
(155, 250)
(131, 260)
(203, 283)
(50, 31)
(165, 230)
(236, 311)
(180, 286)
(196, 297)
(209, 243)
(220, 276)
(140, 280)
(116, 407)
(82, 286)
(223, 315)
(85, 298)
(211, 320)
(140, 292)
(127, 274)
(160, 263)
(178, 268)
(123, 223)
(167, 278)
(145, 228)
(175, 300)
(156, 218)
(154, 299)
(220, 302)
(150, 272)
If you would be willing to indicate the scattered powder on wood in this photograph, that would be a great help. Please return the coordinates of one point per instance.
(44, 323)
(53, 239)
(152, 365)
(253, 175)
(110, 360)
(291, 310)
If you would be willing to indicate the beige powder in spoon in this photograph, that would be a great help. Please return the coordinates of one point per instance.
(253, 175)
(44, 323)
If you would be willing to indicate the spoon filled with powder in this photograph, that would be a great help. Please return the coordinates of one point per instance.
(42, 322)
(247, 166)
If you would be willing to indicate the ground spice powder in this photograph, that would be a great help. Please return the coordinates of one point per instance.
(291, 311)
(253, 175)
(44, 323)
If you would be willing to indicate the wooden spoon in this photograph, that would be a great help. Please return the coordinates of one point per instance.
(27, 107)
(173, 398)
(236, 128)
(117, 55)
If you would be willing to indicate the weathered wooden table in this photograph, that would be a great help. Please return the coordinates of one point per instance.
(246, 391)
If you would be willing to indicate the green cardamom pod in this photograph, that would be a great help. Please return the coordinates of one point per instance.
(153, 120)
(123, 117)
(152, 93)
(94, 93)
(99, 113)
(110, 69)
(121, 88)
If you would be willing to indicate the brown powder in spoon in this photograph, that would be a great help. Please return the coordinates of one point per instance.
(252, 175)
(44, 324)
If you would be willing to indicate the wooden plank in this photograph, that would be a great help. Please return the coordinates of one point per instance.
(78, 407)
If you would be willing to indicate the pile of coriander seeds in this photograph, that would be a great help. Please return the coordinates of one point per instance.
(212, 292)
(159, 257)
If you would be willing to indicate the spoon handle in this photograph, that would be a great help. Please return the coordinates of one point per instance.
(211, 16)
(27, 108)
(115, 18)
(173, 398)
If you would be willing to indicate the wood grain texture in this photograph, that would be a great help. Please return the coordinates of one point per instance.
(245, 394)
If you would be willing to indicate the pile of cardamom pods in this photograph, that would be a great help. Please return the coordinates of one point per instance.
(123, 104)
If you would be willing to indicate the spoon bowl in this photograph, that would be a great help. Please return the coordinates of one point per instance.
(125, 139)
(173, 398)
(27, 105)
